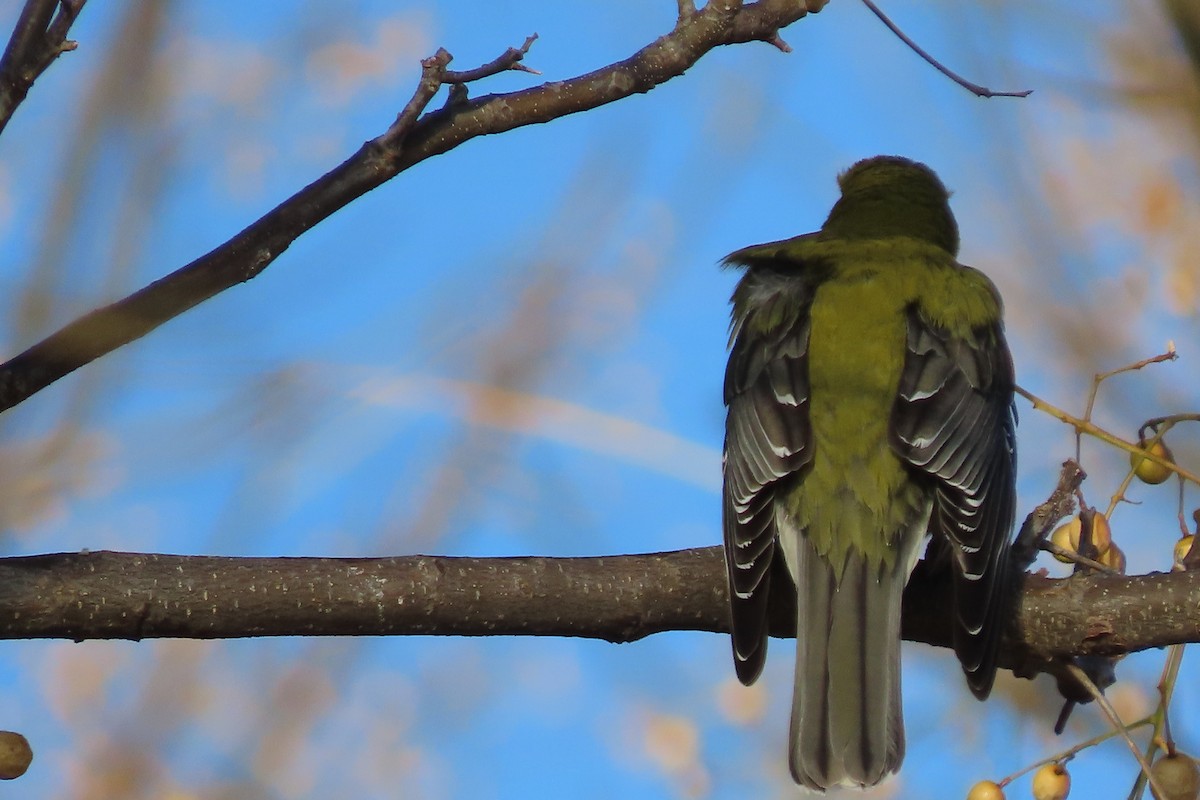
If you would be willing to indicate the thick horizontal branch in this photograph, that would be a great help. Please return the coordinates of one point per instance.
(109, 595)
(409, 141)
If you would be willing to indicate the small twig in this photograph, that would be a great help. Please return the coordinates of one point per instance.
(40, 36)
(1080, 560)
(1071, 752)
(433, 69)
(1100, 377)
(1154, 423)
(509, 60)
(1115, 721)
(777, 42)
(1096, 431)
(434, 75)
(974, 88)
(1041, 520)
(687, 9)
(1166, 688)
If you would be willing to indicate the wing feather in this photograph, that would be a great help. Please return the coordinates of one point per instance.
(955, 421)
(767, 442)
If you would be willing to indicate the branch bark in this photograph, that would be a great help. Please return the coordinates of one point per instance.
(110, 595)
(39, 38)
(409, 141)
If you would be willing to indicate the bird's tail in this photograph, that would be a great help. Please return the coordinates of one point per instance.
(847, 728)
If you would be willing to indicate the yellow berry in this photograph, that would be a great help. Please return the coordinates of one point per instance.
(1113, 558)
(1051, 782)
(15, 755)
(1182, 547)
(1178, 776)
(1067, 536)
(1101, 533)
(986, 790)
(1148, 471)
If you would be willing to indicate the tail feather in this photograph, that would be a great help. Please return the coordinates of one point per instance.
(847, 727)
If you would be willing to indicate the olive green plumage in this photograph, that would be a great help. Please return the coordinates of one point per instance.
(869, 393)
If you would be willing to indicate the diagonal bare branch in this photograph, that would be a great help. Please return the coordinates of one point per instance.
(409, 141)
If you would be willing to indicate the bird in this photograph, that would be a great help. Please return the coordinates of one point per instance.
(869, 394)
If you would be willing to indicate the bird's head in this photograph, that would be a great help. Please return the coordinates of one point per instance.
(888, 196)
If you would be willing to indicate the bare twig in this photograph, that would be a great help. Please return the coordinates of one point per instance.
(1068, 754)
(1166, 688)
(509, 60)
(1041, 520)
(39, 37)
(1114, 720)
(1091, 429)
(1100, 377)
(405, 144)
(974, 88)
(433, 72)
(1078, 558)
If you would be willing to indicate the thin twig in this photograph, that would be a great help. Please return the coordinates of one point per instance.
(1090, 563)
(1041, 520)
(1099, 433)
(1071, 752)
(1166, 688)
(974, 88)
(1100, 377)
(433, 69)
(40, 36)
(509, 60)
(779, 44)
(1115, 721)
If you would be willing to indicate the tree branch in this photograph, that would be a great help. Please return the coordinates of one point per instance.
(39, 37)
(408, 142)
(109, 595)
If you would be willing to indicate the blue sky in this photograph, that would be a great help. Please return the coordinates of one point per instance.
(343, 402)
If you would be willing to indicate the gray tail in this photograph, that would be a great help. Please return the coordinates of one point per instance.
(847, 728)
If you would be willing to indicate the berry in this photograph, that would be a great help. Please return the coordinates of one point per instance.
(1182, 547)
(1148, 471)
(1051, 782)
(986, 790)
(1178, 776)
(15, 755)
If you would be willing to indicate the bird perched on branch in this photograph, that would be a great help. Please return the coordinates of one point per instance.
(870, 404)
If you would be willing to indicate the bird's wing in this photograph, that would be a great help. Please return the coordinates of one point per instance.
(767, 440)
(955, 420)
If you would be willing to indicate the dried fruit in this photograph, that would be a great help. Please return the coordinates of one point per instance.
(15, 755)
(1178, 776)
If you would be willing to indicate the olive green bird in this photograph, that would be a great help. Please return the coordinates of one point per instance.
(870, 404)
